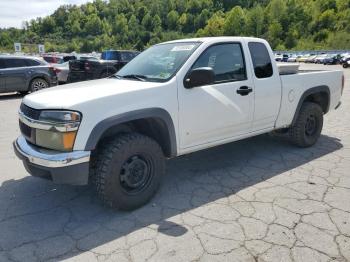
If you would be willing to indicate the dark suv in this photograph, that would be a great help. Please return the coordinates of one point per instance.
(111, 61)
(25, 74)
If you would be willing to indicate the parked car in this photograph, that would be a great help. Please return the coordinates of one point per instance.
(344, 61)
(304, 58)
(293, 58)
(25, 74)
(285, 57)
(111, 61)
(62, 71)
(59, 58)
(310, 59)
(278, 57)
(174, 98)
(331, 59)
(319, 59)
(53, 59)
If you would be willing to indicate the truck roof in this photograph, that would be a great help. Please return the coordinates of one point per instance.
(216, 39)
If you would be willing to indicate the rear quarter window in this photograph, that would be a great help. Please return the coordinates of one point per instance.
(261, 60)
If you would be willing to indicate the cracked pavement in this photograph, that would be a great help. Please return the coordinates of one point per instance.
(259, 199)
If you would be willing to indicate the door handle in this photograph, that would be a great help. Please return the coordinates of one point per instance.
(244, 90)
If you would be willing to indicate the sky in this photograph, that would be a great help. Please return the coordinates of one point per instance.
(14, 12)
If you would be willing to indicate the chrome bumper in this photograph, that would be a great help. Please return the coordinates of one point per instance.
(49, 158)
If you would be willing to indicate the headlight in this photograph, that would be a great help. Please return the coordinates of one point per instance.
(59, 116)
(58, 129)
(55, 140)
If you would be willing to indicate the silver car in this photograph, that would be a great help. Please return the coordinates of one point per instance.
(62, 71)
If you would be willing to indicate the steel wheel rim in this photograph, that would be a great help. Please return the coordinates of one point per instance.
(311, 125)
(136, 173)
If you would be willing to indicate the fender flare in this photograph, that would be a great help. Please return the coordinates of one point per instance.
(313, 90)
(159, 113)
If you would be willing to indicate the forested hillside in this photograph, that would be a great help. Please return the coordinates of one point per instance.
(136, 24)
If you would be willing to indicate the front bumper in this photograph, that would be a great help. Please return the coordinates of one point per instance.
(60, 167)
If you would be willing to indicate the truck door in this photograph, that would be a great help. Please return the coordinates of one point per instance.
(267, 86)
(15, 74)
(221, 110)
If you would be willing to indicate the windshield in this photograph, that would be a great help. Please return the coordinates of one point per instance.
(159, 63)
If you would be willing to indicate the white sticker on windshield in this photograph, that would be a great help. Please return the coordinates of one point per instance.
(182, 48)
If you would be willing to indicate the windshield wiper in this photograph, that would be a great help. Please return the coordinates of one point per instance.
(134, 76)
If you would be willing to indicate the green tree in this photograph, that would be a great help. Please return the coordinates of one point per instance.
(235, 22)
(100, 24)
(48, 25)
(147, 22)
(121, 29)
(214, 27)
(255, 21)
(172, 19)
(274, 33)
(93, 25)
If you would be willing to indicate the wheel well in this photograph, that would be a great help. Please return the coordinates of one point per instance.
(154, 128)
(318, 95)
(320, 98)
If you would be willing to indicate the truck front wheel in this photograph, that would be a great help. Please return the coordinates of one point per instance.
(308, 126)
(128, 170)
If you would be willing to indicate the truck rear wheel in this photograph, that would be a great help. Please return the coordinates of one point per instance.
(128, 171)
(308, 126)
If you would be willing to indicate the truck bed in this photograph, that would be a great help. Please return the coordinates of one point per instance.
(294, 85)
(293, 68)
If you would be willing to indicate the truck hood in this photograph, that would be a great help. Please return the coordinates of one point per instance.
(71, 95)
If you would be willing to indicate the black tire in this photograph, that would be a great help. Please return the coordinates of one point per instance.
(38, 84)
(308, 126)
(128, 171)
(345, 65)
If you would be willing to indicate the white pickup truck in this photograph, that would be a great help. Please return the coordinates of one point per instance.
(174, 98)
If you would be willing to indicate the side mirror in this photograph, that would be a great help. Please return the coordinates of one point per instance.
(199, 77)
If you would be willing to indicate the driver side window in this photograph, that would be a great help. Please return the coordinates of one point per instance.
(226, 60)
